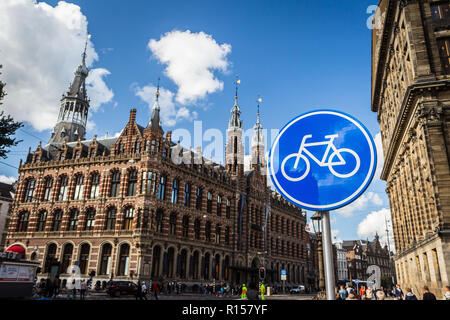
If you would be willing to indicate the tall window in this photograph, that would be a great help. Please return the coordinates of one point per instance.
(227, 235)
(73, 219)
(128, 219)
(111, 218)
(57, 219)
(219, 205)
(115, 184)
(148, 182)
(42, 219)
(208, 231)
(145, 218)
(132, 182)
(175, 191)
(209, 203)
(444, 52)
(159, 220)
(185, 226)
(84, 257)
(173, 223)
(228, 210)
(29, 190)
(78, 195)
(67, 257)
(187, 195)
(153, 147)
(77, 154)
(124, 260)
(48, 184)
(105, 262)
(440, 11)
(218, 229)
(93, 153)
(162, 188)
(198, 200)
(197, 229)
(62, 194)
(90, 219)
(95, 186)
(22, 224)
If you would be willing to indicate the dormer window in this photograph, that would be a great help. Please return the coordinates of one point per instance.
(62, 156)
(93, 153)
(77, 154)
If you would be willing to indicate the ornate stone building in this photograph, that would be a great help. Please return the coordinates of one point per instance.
(411, 95)
(141, 206)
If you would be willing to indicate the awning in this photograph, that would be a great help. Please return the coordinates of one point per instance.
(17, 249)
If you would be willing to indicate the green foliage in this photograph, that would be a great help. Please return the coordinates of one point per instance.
(8, 127)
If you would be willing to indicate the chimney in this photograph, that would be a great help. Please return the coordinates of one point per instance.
(169, 136)
(133, 115)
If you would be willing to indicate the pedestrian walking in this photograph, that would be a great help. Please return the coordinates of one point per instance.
(144, 290)
(343, 294)
(74, 290)
(398, 293)
(155, 290)
(56, 286)
(369, 294)
(427, 295)
(139, 291)
(83, 288)
(409, 295)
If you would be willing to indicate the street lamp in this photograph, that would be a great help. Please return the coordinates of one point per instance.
(317, 226)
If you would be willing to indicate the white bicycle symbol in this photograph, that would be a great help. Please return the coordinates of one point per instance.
(330, 164)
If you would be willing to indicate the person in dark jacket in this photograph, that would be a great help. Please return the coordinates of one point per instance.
(427, 295)
(409, 295)
(252, 292)
(139, 291)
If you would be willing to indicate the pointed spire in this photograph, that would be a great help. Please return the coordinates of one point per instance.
(155, 120)
(235, 121)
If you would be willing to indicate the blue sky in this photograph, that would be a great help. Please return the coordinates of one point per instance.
(298, 55)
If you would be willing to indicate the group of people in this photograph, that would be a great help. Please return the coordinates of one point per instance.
(48, 288)
(143, 289)
(367, 293)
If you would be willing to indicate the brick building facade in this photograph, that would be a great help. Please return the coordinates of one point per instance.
(141, 206)
(411, 95)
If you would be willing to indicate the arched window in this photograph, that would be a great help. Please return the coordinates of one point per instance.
(159, 220)
(78, 194)
(208, 231)
(162, 188)
(105, 261)
(48, 184)
(228, 210)
(197, 229)
(206, 266)
(156, 261)
(132, 182)
(148, 182)
(173, 223)
(187, 195)
(175, 191)
(95, 186)
(128, 219)
(115, 184)
(209, 203)
(57, 219)
(84, 257)
(124, 260)
(185, 224)
(111, 218)
(50, 257)
(42, 219)
(90, 219)
(22, 224)
(63, 184)
(219, 205)
(29, 190)
(67, 257)
(198, 200)
(73, 219)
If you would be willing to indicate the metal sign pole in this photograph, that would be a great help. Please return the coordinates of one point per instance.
(328, 255)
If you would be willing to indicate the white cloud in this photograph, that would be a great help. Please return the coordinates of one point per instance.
(191, 59)
(368, 198)
(375, 222)
(40, 47)
(171, 112)
(8, 180)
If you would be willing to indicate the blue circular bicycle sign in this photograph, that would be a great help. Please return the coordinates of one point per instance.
(323, 160)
